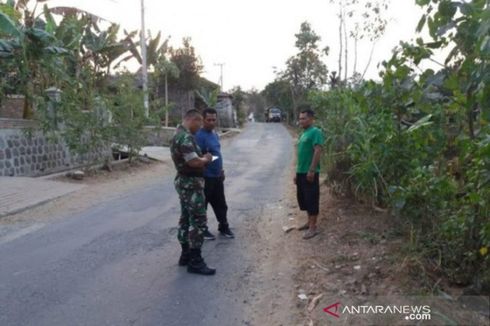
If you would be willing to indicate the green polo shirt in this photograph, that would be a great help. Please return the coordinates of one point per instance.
(306, 144)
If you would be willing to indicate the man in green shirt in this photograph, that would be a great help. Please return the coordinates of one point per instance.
(307, 182)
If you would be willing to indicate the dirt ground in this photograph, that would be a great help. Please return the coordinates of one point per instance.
(356, 253)
(359, 254)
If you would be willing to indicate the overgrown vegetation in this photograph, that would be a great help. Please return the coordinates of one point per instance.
(80, 54)
(417, 143)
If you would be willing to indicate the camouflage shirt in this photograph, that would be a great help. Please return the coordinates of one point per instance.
(183, 149)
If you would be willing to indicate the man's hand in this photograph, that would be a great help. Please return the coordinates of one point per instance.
(223, 175)
(208, 157)
(200, 162)
(294, 179)
(310, 177)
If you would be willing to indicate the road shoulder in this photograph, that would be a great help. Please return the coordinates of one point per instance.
(97, 187)
(353, 255)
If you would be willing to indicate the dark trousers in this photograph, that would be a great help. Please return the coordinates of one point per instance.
(308, 193)
(214, 191)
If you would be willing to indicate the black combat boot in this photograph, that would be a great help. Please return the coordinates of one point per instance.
(197, 265)
(185, 255)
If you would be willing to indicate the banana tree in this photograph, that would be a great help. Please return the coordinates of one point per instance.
(154, 48)
(94, 46)
(157, 61)
(28, 45)
(104, 46)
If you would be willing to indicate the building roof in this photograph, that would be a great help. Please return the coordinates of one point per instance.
(224, 95)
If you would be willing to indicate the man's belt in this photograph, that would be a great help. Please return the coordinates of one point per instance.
(191, 174)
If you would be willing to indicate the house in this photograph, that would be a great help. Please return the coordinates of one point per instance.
(227, 114)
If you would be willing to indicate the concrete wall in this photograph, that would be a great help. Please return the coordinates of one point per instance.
(12, 107)
(25, 151)
(159, 137)
(182, 102)
(17, 124)
(163, 136)
(226, 114)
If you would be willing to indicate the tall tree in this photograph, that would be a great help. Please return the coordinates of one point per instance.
(306, 71)
(239, 103)
(189, 65)
(278, 93)
(366, 22)
(256, 103)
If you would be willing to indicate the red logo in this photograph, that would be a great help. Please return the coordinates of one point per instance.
(333, 310)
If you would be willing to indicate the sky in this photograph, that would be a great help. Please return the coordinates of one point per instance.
(254, 36)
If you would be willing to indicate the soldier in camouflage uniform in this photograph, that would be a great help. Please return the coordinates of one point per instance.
(189, 183)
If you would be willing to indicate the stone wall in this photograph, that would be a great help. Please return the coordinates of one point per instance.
(25, 151)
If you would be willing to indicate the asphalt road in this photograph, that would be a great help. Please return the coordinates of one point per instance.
(116, 263)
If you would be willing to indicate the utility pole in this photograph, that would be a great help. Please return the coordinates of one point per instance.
(221, 74)
(144, 68)
(166, 99)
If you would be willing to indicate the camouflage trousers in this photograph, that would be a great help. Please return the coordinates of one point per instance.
(192, 223)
